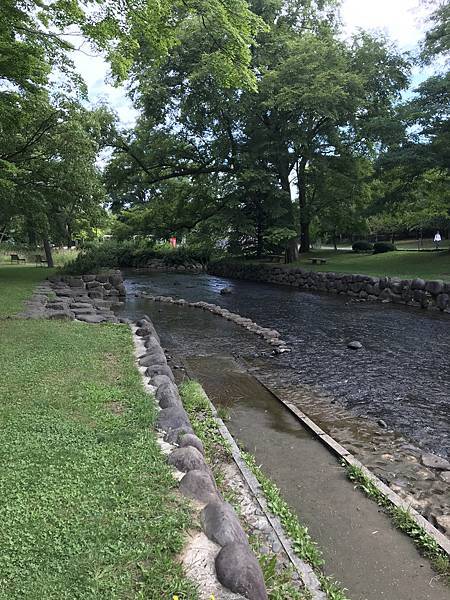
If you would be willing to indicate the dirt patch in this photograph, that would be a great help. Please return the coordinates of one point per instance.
(116, 408)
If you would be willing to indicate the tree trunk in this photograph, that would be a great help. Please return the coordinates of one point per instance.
(48, 253)
(335, 241)
(304, 212)
(291, 254)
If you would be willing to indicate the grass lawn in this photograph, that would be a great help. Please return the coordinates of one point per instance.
(406, 265)
(88, 507)
(17, 284)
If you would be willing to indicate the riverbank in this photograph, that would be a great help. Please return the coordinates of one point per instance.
(416, 293)
(89, 504)
(401, 264)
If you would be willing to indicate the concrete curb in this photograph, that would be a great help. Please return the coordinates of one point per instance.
(341, 452)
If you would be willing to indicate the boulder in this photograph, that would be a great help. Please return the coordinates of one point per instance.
(159, 370)
(435, 462)
(60, 314)
(188, 459)
(91, 318)
(153, 358)
(158, 380)
(221, 525)
(200, 486)
(225, 291)
(173, 436)
(167, 395)
(355, 345)
(189, 439)
(172, 418)
(239, 571)
(434, 287)
(442, 301)
(418, 284)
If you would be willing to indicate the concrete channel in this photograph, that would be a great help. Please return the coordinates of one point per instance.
(361, 547)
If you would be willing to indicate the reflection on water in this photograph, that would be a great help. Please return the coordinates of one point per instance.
(401, 376)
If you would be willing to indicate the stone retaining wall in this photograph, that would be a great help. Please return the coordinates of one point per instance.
(431, 295)
(159, 264)
(87, 298)
(236, 565)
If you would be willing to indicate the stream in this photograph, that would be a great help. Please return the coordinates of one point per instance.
(400, 378)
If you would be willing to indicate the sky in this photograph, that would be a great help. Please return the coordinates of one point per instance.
(402, 20)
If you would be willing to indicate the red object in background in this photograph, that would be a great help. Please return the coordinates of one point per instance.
(173, 242)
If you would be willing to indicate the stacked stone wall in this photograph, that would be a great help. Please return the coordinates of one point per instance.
(420, 293)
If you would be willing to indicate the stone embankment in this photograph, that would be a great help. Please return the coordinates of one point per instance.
(419, 293)
(89, 298)
(271, 336)
(159, 264)
(236, 566)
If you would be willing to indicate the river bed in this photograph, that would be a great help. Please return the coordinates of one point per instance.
(401, 376)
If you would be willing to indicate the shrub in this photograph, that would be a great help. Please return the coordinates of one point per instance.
(380, 247)
(362, 246)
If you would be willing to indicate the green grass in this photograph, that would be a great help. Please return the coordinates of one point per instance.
(17, 284)
(60, 256)
(406, 265)
(88, 508)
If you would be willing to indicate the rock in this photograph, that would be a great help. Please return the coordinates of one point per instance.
(88, 277)
(174, 435)
(418, 284)
(382, 423)
(188, 459)
(238, 570)
(188, 439)
(435, 462)
(172, 418)
(156, 357)
(435, 287)
(276, 547)
(167, 395)
(225, 291)
(200, 486)
(158, 380)
(443, 301)
(355, 345)
(160, 370)
(151, 342)
(90, 285)
(443, 522)
(91, 318)
(221, 525)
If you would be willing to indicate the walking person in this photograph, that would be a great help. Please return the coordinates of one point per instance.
(437, 240)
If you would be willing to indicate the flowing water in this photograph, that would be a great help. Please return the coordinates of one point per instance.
(401, 376)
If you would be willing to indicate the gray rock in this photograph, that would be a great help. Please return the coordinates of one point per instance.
(151, 342)
(238, 570)
(88, 277)
(418, 284)
(91, 285)
(79, 305)
(167, 395)
(153, 358)
(158, 380)
(160, 370)
(382, 423)
(221, 525)
(226, 290)
(443, 522)
(443, 301)
(200, 486)
(102, 277)
(91, 318)
(188, 459)
(172, 418)
(434, 287)
(435, 462)
(189, 439)
(355, 345)
(173, 436)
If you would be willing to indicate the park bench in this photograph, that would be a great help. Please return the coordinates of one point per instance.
(15, 258)
(317, 261)
(39, 260)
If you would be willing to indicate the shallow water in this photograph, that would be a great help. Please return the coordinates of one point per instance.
(402, 375)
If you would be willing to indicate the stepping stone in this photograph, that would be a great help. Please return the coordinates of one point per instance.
(90, 318)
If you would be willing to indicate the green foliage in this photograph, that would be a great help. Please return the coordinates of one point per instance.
(112, 254)
(380, 247)
(362, 246)
(89, 507)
